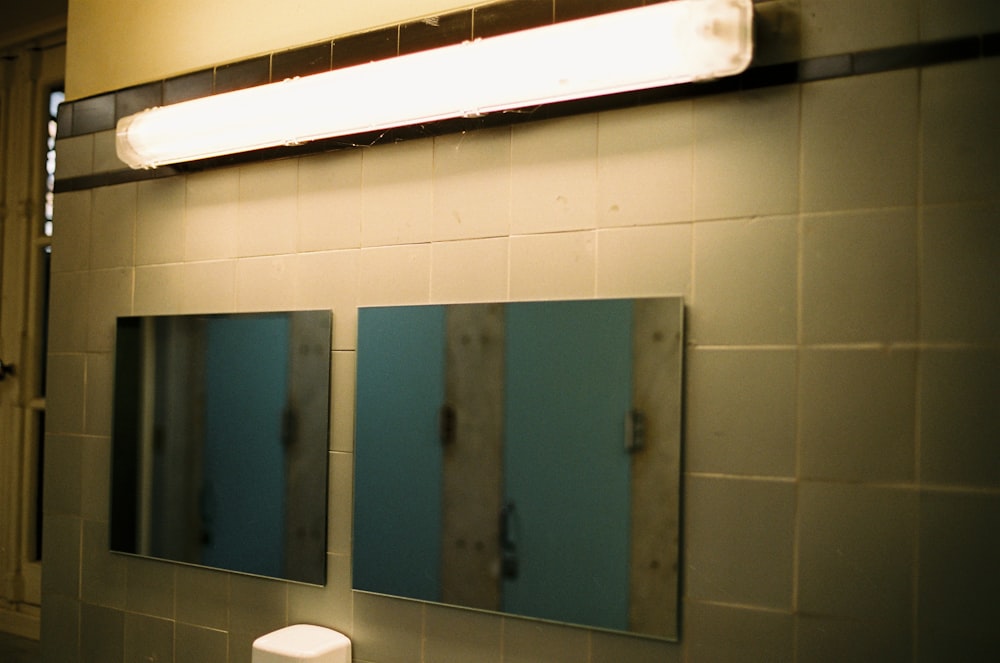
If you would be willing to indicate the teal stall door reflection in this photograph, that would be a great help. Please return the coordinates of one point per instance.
(246, 376)
(562, 514)
(565, 469)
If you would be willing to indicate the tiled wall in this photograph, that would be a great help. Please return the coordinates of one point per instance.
(836, 242)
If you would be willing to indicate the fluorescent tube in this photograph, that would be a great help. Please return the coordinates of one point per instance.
(635, 49)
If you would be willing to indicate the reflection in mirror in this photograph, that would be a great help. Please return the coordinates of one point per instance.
(522, 458)
(220, 441)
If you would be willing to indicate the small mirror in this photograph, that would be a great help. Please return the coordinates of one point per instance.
(220, 441)
(522, 458)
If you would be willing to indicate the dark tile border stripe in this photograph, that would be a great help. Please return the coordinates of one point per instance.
(110, 178)
(101, 112)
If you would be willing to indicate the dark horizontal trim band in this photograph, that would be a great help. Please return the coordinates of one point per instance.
(112, 177)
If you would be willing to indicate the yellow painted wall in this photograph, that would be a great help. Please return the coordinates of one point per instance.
(114, 44)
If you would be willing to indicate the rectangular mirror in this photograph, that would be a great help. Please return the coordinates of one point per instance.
(220, 441)
(523, 458)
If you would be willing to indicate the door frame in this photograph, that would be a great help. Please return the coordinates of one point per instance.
(29, 72)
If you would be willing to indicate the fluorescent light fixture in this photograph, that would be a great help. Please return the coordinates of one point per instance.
(635, 49)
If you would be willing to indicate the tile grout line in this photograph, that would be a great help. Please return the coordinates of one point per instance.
(918, 368)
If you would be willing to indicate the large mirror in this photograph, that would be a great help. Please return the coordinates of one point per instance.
(220, 441)
(522, 458)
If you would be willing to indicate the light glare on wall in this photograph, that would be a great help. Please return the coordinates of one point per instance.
(636, 49)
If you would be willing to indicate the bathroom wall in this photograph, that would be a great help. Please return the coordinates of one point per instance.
(169, 37)
(836, 241)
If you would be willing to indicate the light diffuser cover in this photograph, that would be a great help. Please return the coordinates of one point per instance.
(635, 49)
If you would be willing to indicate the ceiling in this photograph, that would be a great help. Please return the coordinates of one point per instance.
(31, 16)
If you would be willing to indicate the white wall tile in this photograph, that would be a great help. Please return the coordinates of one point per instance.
(61, 536)
(859, 276)
(159, 289)
(211, 214)
(71, 231)
(959, 422)
(110, 296)
(961, 135)
(112, 226)
(330, 280)
(159, 228)
(739, 540)
(644, 167)
(554, 175)
(60, 635)
(859, 142)
(472, 179)
(554, 643)
(397, 193)
(63, 477)
(330, 201)
(149, 587)
(68, 317)
(194, 643)
(95, 471)
(148, 638)
(745, 275)
(256, 605)
(644, 261)
(330, 604)
(720, 633)
(856, 552)
(202, 596)
(208, 287)
(341, 502)
(76, 156)
(470, 271)
(857, 411)
(342, 387)
(265, 283)
(741, 412)
(452, 635)
(746, 154)
(836, 639)
(609, 647)
(386, 629)
(102, 576)
(100, 383)
(556, 266)
(105, 154)
(957, 579)
(960, 282)
(394, 275)
(268, 208)
(102, 633)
